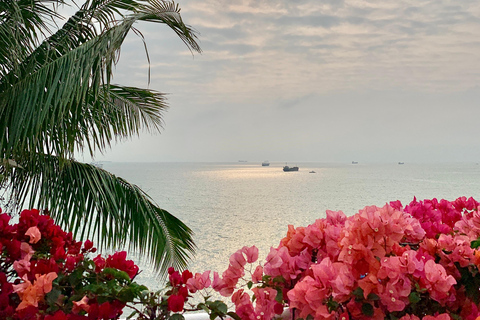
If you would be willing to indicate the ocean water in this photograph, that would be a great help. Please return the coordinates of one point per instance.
(231, 205)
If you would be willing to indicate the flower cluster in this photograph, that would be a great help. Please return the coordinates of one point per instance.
(46, 274)
(395, 262)
(384, 262)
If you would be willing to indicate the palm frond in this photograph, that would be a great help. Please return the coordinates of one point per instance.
(56, 97)
(92, 202)
(48, 94)
(22, 24)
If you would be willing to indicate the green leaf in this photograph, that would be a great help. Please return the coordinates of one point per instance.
(475, 244)
(367, 309)
(177, 316)
(234, 316)
(358, 293)
(279, 296)
(203, 307)
(249, 284)
(414, 297)
(332, 305)
(52, 296)
(279, 279)
(373, 297)
(76, 277)
(222, 307)
(117, 274)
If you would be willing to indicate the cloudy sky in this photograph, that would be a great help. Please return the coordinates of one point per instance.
(312, 80)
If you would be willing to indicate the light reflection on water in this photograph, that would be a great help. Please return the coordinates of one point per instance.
(230, 205)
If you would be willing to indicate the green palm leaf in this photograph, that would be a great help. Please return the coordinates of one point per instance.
(94, 203)
(56, 98)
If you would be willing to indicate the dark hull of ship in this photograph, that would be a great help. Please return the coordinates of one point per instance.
(287, 168)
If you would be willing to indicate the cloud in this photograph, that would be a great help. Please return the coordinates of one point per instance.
(331, 72)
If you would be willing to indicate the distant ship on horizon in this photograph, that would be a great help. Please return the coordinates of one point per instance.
(265, 163)
(354, 162)
(287, 168)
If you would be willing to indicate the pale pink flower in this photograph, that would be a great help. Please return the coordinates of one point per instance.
(411, 264)
(257, 274)
(265, 303)
(342, 285)
(237, 260)
(221, 286)
(251, 253)
(26, 251)
(437, 281)
(34, 234)
(21, 267)
(298, 297)
(335, 217)
(314, 234)
(392, 298)
(199, 282)
(294, 240)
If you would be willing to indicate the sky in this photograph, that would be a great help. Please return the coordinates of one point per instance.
(311, 80)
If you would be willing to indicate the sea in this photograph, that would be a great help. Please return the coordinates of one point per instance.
(231, 205)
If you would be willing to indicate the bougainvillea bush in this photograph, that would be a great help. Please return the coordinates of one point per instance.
(393, 262)
(45, 274)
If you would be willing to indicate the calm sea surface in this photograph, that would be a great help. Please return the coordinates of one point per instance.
(230, 205)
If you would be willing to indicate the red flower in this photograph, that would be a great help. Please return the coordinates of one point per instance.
(88, 247)
(175, 279)
(99, 263)
(59, 315)
(186, 275)
(118, 261)
(183, 291)
(175, 303)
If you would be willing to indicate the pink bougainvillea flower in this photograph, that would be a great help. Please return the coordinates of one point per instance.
(27, 251)
(251, 253)
(393, 298)
(237, 260)
(219, 285)
(257, 275)
(437, 281)
(21, 287)
(34, 234)
(21, 267)
(44, 282)
(30, 294)
(78, 306)
(199, 282)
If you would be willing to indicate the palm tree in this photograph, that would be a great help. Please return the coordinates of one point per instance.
(57, 98)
